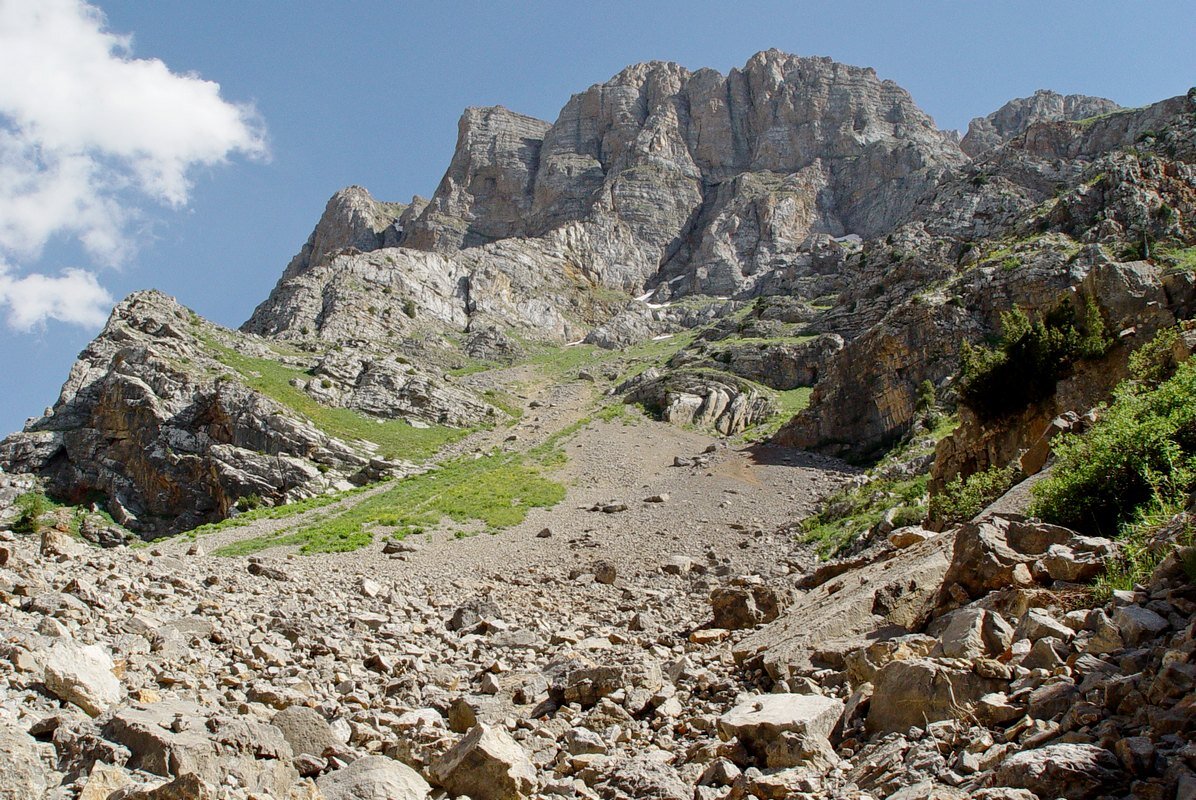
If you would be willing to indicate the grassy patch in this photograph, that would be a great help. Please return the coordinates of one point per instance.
(1140, 552)
(395, 438)
(270, 512)
(764, 341)
(32, 508)
(964, 498)
(496, 490)
(850, 513)
(510, 405)
(473, 366)
(561, 362)
(1181, 259)
(789, 403)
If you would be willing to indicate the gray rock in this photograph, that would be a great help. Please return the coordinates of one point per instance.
(83, 675)
(1013, 118)
(744, 604)
(305, 730)
(1137, 625)
(1037, 624)
(915, 692)
(28, 771)
(374, 778)
(486, 763)
(784, 730)
(1072, 771)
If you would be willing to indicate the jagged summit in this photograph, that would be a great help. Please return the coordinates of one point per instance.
(659, 179)
(1013, 118)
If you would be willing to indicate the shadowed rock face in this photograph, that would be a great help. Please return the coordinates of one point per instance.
(170, 437)
(1067, 202)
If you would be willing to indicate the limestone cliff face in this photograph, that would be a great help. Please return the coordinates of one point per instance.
(659, 179)
(487, 192)
(1013, 118)
(787, 146)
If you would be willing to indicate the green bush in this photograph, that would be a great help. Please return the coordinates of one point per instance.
(1141, 451)
(1029, 359)
(963, 498)
(249, 502)
(1139, 552)
(1154, 362)
(851, 512)
(31, 507)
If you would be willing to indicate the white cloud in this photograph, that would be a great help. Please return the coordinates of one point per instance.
(88, 135)
(75, 296)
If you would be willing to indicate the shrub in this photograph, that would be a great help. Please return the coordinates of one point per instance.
(1029, 359)
(1154, 362)
(249, 502)
(1141, 451)
(31, 507)
(963, 498)
(409, 307)
(1143, 546)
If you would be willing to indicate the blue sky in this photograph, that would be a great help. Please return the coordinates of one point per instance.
(314, 96)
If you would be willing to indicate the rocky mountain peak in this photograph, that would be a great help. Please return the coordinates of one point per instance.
(352, 220)
(486, 193)
(1013, 118)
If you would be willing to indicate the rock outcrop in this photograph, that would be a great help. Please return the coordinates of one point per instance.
(1013, 118)
(945, 277)
(685, 183)
(168, 420)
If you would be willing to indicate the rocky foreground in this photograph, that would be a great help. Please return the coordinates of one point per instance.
(950, 665)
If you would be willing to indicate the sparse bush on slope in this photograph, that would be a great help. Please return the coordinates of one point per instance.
(1141, 452)
(1029, 359)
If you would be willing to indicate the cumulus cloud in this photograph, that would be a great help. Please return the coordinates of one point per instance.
(75, 296)
(88, 135)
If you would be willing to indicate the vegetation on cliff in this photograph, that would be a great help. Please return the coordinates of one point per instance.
(1140, 454)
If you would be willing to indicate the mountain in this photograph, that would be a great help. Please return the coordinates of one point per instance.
(792, 198)
(716, 440)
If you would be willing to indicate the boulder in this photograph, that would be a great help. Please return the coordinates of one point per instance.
(82, 674)
(27, 773)
(1071, 771)
(374, 778)
(973, 633)
(487, 765)
(103, 781)
(305, 730)
(184, 787)
(784, 730)
(744, 604)
(1138, 625)
(1004, 550)
(918, 691)
(175, 738)
(895, 594)
(587, 685)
